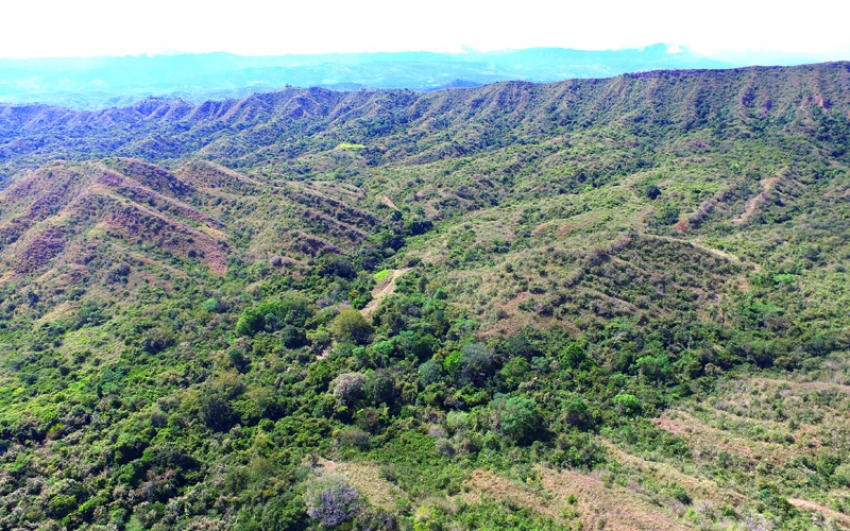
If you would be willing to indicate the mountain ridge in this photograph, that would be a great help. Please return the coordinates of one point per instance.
(829, 86)
(100, 82)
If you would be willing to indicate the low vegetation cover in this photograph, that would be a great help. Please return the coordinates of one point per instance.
(605, 304)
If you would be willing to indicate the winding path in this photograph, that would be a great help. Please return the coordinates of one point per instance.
(384, 289)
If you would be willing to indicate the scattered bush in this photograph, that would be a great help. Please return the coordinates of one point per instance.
(627, 404)
(520, 419)
(271, 316)
(348, 387)
(350, 325)
(331, 500)
(651, 191)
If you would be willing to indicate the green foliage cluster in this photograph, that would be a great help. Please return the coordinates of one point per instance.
(271, 316)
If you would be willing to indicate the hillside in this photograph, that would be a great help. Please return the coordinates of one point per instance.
(593, 304)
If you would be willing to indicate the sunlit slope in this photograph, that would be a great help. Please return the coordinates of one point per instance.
(609, 304)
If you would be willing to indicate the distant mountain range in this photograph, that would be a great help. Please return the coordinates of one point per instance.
(101, 82)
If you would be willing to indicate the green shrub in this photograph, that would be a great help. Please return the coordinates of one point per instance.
(651, 191)
(271, 316)
(216, 411)
(678, 493)
(627, 404)
(667, 215)
(520, 419)
(61, 505)
(572, 355)
(577, 413)
(350, 325)
(841, 475)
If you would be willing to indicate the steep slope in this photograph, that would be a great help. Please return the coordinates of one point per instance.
(78, 221)
(45, 211)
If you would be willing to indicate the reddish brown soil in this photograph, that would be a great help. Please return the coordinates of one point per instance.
(40, 250)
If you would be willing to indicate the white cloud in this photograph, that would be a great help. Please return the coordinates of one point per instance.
(252, 27)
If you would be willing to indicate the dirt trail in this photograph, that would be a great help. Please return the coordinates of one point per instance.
(836, 517)
(754, 202)
(817, 385)
(387, 201)
(701, 246)
(385, 288)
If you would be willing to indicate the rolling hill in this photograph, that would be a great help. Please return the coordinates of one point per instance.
(606, 303)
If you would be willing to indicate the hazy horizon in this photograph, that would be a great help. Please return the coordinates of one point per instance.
(91, 83)
(773, 57)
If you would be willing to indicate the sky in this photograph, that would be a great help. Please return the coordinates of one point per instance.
(67, 28)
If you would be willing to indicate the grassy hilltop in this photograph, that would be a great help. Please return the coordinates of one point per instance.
(593, 304)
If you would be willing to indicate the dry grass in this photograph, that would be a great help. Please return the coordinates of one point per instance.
(613, 508)
(738, 419)
(483, 483)
(598, 506)
(60, 310)
(700, 435)
(567, 497)
(801, 386)
(698, 488)
(699, 245)
(367, 480)
(387, 201)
